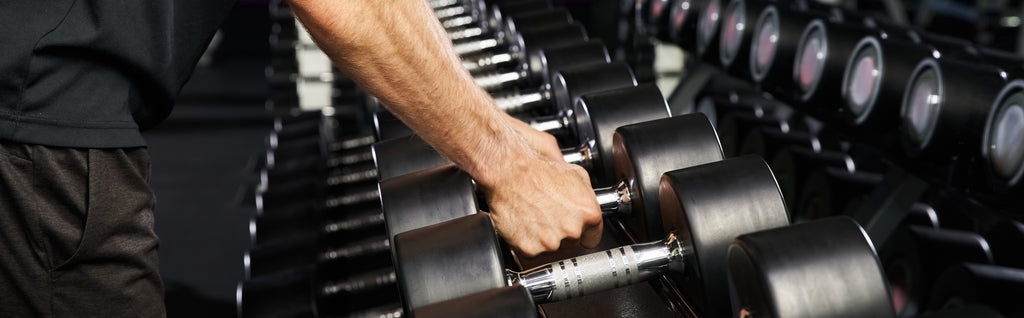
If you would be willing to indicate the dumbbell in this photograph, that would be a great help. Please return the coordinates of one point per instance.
(767, 141)
(981, 284)
(340, 240)
(532, 29)
(302, 293)
(330, 150)
(739, 115)
(830, 191)
(485, 16)
(535, 29)
(736, 43)
(1002, 148)
(277, 301)
(943, 113)
(321, 146)
(535, 68)
(825, 268)
(562, 87)
(707, 31)
(706, 206)
(640, 154)
(794, 165)
(506, 31)
(822, 53)
(655, 15)
(600, 111)
(774, 45)
(683, 21)
(879, 72)
(916, 255)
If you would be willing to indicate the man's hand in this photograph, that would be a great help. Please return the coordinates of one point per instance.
(540, 203)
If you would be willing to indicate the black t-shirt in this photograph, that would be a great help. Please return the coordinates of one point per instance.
(91, 73)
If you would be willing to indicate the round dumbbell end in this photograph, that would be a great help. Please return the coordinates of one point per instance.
(708, 25)
(425, 198)
(599, 114)
(1005, 138)
(709, 205)
(921, 105)
(571, 83)
(861, 83)
(839, 274)
(811, 60)
(469, 262)
(679, 14)
(765, 43)
(732, 31)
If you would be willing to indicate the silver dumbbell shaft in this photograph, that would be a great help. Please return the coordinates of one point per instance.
(601, 271)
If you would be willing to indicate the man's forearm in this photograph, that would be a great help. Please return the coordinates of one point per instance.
(398, 51)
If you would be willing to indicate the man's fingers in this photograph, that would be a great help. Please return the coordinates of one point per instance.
(592, 235)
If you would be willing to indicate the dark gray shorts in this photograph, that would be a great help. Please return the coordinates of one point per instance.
(76, 233)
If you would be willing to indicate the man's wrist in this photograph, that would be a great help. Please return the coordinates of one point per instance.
(503, 153)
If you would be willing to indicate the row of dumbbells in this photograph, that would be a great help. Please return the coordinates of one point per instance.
(857, 81)
(436, 263)
(930, 264)
(941, 107)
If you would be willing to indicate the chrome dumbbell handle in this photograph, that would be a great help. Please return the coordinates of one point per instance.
(521, 100)
(466, 33)
(435, 4)
(477, 46)
(355, 284)
(457, 23)
(352, 143)
(364, 155)
(372, 245)
(497, 80)
(601, 271)
(582, 155)
(353, 198)
(487, 62)
(449, 11)
(388, 311)
(354, 223)
(614, 200)
(362, 174)
(551, 124)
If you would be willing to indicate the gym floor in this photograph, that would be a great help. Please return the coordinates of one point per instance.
(200, 160)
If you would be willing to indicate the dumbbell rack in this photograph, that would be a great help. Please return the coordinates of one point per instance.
(900, 184)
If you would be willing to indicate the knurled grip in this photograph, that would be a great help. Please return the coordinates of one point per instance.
(600, 271)
(594, 272)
